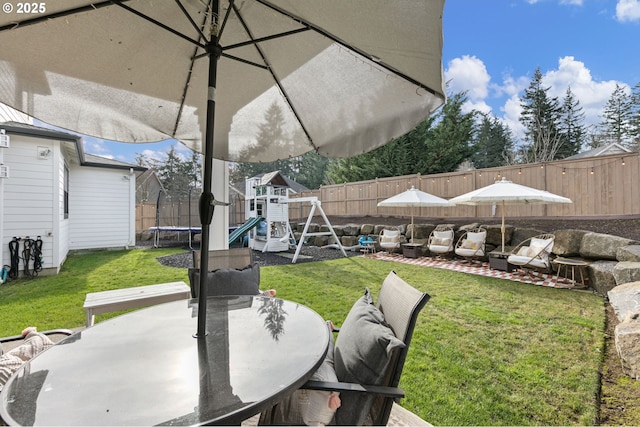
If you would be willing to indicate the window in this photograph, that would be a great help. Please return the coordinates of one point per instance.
(66, 191)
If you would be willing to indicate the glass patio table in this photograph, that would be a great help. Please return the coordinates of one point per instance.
(146, 368)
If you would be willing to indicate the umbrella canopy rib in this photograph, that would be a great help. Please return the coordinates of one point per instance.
(346, 45)
(274, 76)
(44, 17)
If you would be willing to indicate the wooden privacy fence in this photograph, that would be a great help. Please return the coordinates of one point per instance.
(598, 186)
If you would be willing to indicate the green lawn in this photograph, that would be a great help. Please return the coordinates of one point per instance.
(485, 351)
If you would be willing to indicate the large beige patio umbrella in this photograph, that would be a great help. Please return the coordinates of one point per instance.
(413, 198)
(251, 80)
(505, 192)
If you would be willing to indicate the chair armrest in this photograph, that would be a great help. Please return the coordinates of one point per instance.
(394, 392)
(51, 332)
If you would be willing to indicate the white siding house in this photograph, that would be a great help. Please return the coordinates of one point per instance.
(70, 199)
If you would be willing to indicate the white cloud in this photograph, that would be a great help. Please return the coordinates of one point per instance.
(503, 99)
(511, 117)
(96, 147)
(468, 74)
(628, 10)
(154, 154)
(591, 94)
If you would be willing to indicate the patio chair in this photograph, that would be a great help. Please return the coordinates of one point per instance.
(532, 255)
(441, 241)
(471, 245)
(370, 351)
(231, 272)
(389, 239)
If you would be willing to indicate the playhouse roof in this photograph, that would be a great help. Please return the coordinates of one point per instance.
(276, 178)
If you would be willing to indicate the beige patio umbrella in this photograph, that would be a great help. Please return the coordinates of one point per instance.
(505, 192)
(251, 80)
(413, 198)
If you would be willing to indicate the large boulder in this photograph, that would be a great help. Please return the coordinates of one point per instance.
(352, 229)
(627, 339)
(567, 242)
(338, 229)
(602, 246)
(628, 253)
(601, 276)
(625, 299)
(494, 234)
(348, 241)
(367, 229)
(420, 231)
(626, 272)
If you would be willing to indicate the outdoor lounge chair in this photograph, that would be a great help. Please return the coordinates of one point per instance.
(367, 393)
(471, 245)
(389, 239)
(441, 241)
(533, 254)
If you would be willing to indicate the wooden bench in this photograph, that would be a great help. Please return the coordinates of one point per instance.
(140, 296)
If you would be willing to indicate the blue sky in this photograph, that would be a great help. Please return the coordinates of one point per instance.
(492, 48)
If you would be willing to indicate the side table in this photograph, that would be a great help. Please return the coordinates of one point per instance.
(412, 250)
(574, 264)
(368, 247)
(498, 260)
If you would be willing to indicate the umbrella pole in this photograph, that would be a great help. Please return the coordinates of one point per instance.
(502, 228)
(206, 204)
(411, 225)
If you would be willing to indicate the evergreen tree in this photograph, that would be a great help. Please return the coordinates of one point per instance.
(540, 117)
(617, 117)
(493, 142)
(438, 144)
(452, 138)
(635, 116)
(177, 175)
(571, 126)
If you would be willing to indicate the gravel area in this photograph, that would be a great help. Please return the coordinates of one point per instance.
(307, 254)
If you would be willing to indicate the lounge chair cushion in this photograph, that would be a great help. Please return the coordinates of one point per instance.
(390, 238)
(540, 244)
(441, 241)
(470, 244)
(228, 281)
(526, 260)
(364, 348)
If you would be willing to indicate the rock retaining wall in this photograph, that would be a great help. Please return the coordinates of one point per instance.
(613, 260)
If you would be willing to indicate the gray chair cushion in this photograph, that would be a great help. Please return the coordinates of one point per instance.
(228, 281)
(363, 350)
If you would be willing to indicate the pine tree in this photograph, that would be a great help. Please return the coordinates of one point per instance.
(178, 176)
(493, 142)
(438, 144)
(617, 117)
(540, 117)
(452, 138)
(571, 126)
(635, 116)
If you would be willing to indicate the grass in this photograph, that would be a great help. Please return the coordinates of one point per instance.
(485, 351)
